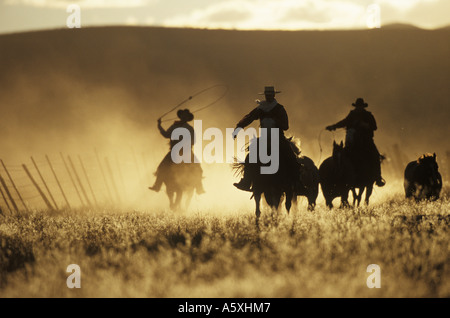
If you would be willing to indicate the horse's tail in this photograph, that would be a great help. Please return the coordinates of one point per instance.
(238, 168)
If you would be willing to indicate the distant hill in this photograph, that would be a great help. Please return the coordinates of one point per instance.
(400, 26)
(105, 87)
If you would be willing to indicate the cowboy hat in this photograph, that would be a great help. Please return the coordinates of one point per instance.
(360, 102)
(269, 90)
(185, 115)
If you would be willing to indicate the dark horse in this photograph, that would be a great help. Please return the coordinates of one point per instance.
(422, 178)
(363, 160)
(308, 183)
(275, 186)
(336, 176)
(181, 180)
(308, 179)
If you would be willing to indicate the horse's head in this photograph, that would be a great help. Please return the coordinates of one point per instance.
(295, 145)
(429, 164)
(338, 153)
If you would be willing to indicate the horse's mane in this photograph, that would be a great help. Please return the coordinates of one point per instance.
(295, 144)
(425, 156)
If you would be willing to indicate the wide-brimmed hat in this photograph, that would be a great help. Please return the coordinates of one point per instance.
(360, 103)
(269, 90)
(185, 115)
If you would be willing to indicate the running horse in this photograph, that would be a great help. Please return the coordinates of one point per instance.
(275, 186)
(422, 179)
(336, 176)
(181, 181)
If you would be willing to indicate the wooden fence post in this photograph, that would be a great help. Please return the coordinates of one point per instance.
(71, 178)
(57, 181)
(8, 193)
(14, 186)
(137, 168)
(87, 179)
(124, 188)
(47, 202)
(112, 179)
(79, 181)
(103, 175)
(6, 200)
(45, 184)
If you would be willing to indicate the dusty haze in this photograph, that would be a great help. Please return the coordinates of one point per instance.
(73, 91)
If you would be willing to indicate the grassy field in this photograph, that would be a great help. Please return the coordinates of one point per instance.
(324, 253)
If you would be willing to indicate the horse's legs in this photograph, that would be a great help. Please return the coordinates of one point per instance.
(361, 190)
(189, 194)
(311, 203)
(368, 193)
(344, 199)
(354, 196)
(329, 200)
(294, 202)
(312, 197)
(288, 204)
(257, 197)
(178, 199)
(170, 194)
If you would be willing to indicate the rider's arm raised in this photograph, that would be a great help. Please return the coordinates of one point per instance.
(164, 133)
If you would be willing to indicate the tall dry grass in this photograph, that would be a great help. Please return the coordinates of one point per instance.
(323, 253)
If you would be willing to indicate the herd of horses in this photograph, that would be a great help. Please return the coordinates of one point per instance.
(337, 175)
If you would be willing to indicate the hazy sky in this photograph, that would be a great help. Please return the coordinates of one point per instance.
(25, 15)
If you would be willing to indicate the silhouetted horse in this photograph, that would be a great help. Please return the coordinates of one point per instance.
(308, 184)
(274, 186)
(336, 176)
(422, 178)
(363, 165)
(181, 179)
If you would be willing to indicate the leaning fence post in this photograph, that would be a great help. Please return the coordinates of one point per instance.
(14, 186)
(6, 200)
(71, 178)
(124, 188)
(43, 181)
(79, 181)
(141, 181)
(112, 178)
(87, 179)
(57, 181)
(8, 193)
(47, 202)
(103, 175)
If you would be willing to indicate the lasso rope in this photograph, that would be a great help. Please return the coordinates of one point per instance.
(193, 96)
(320, 144)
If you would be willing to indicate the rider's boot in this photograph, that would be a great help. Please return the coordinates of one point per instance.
(157, 186)
(244, 184)
(380, 182)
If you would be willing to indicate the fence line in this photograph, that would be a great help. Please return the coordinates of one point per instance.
(59, 182)
(63, 183)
